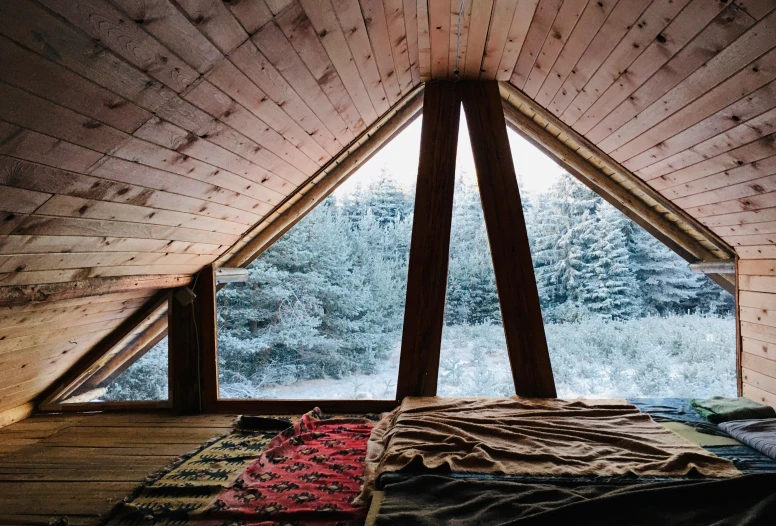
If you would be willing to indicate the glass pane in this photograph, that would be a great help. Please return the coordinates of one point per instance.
(623, 314)
(473, 358)
(145, 379)
(321, 314)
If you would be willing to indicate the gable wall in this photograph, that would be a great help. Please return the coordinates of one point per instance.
(146, 138)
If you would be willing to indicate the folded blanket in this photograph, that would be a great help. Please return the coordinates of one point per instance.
(757, 434)
(544, 437)
(719, 409)
(432, 500)
(675, 410)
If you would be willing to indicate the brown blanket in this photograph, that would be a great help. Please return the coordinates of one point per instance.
(545, 437)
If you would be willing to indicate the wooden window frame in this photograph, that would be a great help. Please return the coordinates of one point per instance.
(533, 123)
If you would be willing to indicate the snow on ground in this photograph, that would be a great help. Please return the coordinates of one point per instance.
(378, 386)
(688, 356)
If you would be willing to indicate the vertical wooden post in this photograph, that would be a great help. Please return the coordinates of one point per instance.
(739, 342)
(430, 246)
(183, 357)
(206, 315)
(192, 346)
(502, 208)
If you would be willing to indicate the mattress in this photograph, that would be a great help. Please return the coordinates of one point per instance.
(745, 458)
(419, 496)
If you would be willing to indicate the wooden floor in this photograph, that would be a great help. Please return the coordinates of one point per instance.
(78, 466)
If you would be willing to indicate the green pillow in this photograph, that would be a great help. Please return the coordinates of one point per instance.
(720, 409)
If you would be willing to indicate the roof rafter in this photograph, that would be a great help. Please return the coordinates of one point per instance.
(633, 197)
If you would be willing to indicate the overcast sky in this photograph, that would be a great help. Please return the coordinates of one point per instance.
(400, 157)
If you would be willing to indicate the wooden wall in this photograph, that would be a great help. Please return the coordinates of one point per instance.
(146, 137)
(41, 341)
(680, 93)
(757, 311)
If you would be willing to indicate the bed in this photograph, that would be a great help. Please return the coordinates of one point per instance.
(687, 472)
(216, 484)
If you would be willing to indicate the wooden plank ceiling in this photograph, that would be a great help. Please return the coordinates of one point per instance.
(147, 137)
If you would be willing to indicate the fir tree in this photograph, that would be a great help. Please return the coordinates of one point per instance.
(665, 281)
(610, 286)
(471, 291)
(567, 229)
(320, 302)
(383, 198)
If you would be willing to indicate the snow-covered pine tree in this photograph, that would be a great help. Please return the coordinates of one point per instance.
(146, 379)
(471, 284)
(543, 232)
(320, 302)
(609, 286)
(566, 226)
(665, 281)
(383, 197)
(712, 298)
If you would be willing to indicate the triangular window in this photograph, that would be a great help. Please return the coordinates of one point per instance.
(624, 316)
(320, 316)
(136, 368)
(473, 359)
(145, 379)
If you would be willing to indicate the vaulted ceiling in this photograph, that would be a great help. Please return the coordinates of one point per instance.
(144, 139)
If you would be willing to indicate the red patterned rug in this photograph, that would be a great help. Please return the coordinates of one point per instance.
(308, 475)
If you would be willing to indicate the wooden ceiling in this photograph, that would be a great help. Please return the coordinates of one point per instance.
(146, 138)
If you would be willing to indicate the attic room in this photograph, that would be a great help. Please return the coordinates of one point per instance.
(383, 262)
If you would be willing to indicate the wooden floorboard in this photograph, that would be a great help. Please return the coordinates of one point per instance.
(79, 466)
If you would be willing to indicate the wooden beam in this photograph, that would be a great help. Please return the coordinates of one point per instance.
(726, 281)
(430, 245)
(184, 356)
(207, 315)
(271, 406)
(627, 202)
(623, 184)
(127, 356)
(739, 340)
(718, 266)
(70, 381)
(501, 205)
(325, 181)
(192, 345)
(25, 294)
(15, 414)
(136, 406)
